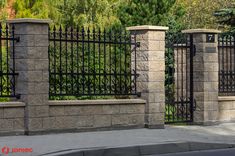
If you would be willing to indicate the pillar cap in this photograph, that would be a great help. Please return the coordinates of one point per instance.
(201, 31)
(148, 27)
(29, 20)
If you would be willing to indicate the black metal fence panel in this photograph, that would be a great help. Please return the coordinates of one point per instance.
(226, 47)
(91, 62)
(179, 78)
(7, 61)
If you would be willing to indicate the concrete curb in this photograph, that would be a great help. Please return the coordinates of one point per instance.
(143, 150)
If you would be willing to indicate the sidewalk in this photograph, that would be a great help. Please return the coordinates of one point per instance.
(54, 143)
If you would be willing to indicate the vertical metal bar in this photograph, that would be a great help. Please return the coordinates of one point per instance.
(131, 43)
(54, 59)
(135, 74)
(230, 71)
(7, 61)
(227, 66)
(77, 60)
(223, 71)
(219, 58)
(1, 63)
(171, 54)
(60, 69)
(167, 53)
(83, 61)
(182, 84)
(72, 65)
(233, 63)
(94, 62)
(191, 76)
(230, 65)
(120, 63)
(177, 84)
(66, 60)
(105, 72)
(125, 63)
(186, 81)
(88, 62)
(115, 62)
(99, 53)
(13, 59)
(110, 62)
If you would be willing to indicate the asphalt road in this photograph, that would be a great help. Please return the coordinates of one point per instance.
(220, 152)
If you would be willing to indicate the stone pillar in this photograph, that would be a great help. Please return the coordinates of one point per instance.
(31, 59)
(151, 69)
(205, 66)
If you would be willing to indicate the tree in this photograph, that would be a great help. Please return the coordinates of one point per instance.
(140, 12)
(99, 13)
(200, 13)
(226, 17)
(3, 13)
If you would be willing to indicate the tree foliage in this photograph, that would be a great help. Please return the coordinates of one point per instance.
(226, 17)
(199, 13)
(100, 13)
(140, 12)
(3, 4)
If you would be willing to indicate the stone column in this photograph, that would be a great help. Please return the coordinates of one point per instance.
(205, 66)
(151, 69)
(31, 59)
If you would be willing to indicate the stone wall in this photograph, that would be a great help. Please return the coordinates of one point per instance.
(227, 109)
(12, 118)
(81, 115)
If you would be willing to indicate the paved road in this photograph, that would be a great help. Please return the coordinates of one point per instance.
(41, 144)
(221, 152)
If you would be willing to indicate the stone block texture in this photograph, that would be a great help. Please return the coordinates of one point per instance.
(80, 117)
(31, 59)
(11, 119)
(150, 59)
(205, 66)
(227, 109)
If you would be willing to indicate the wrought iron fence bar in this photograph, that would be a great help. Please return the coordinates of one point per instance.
(7, 61)
(226, 47)
(1, 82)
(95, 63)
(78, 59)
(83, 60)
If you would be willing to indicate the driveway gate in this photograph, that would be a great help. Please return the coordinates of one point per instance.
(179, 78)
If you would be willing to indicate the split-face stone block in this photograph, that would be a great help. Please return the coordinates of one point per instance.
(151, 69)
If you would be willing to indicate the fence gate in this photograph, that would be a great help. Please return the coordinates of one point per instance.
(179, 78)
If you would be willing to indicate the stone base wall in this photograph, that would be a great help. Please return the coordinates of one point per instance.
(227, 108)
(12, 118)
(74, 115)
(88, 115)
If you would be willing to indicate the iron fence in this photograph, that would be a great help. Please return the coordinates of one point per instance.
(226, 47)
(91, 62)
(7, 61)
(180, 102)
